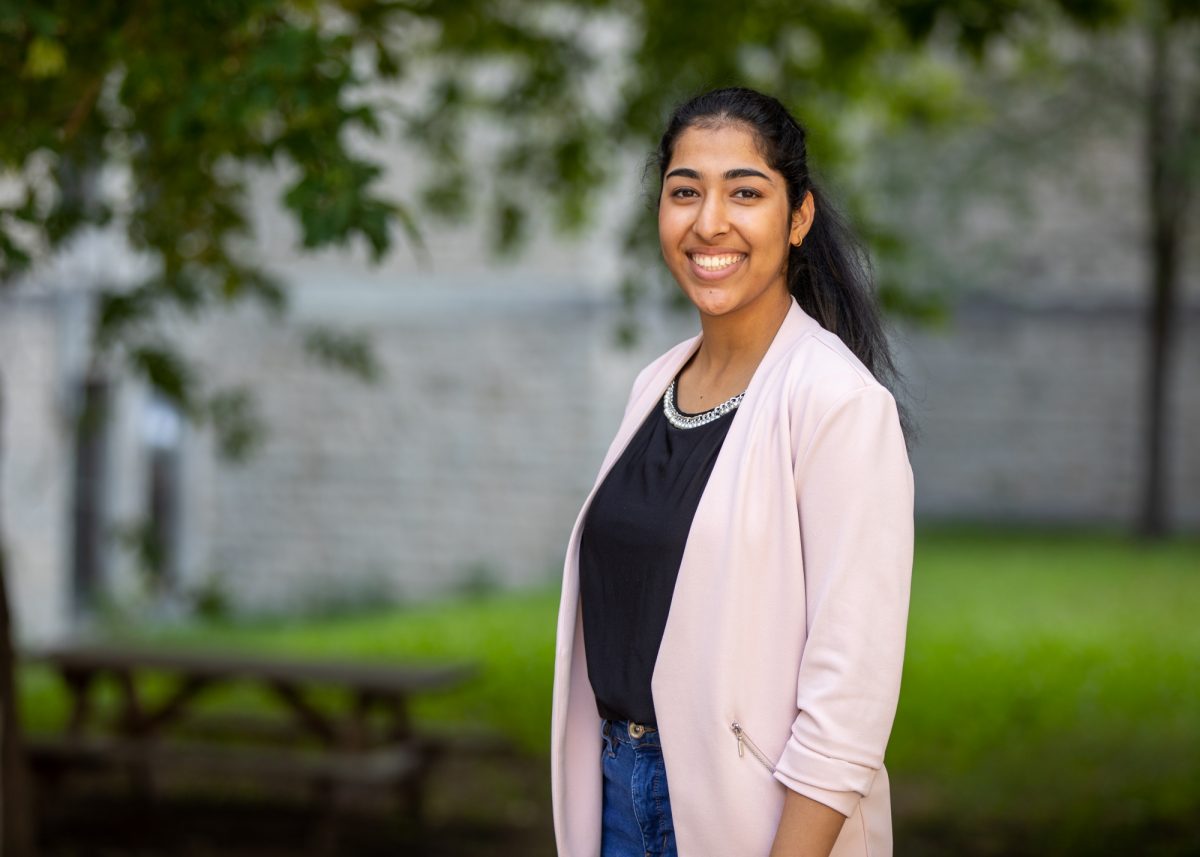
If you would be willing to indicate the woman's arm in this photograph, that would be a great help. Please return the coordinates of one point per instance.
(807, 829)
(854, 494)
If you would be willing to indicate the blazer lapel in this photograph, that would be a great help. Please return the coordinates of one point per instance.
(638, 410)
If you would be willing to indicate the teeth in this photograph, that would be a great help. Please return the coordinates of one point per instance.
(714, 263)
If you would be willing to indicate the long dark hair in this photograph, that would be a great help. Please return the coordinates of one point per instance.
(830, 273)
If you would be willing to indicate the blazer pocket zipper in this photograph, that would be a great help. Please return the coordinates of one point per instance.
(744, 740)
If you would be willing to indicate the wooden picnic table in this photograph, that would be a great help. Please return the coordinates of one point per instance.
(350, 721)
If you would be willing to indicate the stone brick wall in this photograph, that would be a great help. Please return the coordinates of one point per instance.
(468, 461)
(1036, 414)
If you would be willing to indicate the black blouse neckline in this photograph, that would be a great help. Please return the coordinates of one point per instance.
(691, 414)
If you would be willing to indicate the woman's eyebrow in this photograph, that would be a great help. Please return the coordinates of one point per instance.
(737, 173)
(746, 172)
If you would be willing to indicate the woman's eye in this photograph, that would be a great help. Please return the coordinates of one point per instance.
(681, 191)
(750, 193)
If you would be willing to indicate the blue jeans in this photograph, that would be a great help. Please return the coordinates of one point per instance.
(637, 809)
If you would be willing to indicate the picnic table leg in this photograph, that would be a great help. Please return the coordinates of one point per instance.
(129, 720)
(353, 734)
(131, 723)
(401, 728)
(48, 783)
(412, 789)
(357, 735)
(308, 715)
(327, 793)
(79, 686)
(149, 722)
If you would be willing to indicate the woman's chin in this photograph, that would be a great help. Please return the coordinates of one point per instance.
(713, 302)
(714, 311)
(727, 298)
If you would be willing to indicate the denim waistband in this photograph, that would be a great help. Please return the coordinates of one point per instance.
(618, 730)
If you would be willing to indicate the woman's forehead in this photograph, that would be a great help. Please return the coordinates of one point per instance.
(721, 148)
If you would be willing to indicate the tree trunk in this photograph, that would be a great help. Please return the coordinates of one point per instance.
(1166, 189)
(16, 827)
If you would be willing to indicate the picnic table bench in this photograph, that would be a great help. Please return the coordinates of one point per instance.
(358, 733)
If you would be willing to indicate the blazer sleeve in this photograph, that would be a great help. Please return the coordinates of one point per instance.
(854, 490)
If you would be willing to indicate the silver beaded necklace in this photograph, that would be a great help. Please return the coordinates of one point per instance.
(687, 421)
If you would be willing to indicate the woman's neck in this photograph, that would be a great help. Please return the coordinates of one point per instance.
(733, 345)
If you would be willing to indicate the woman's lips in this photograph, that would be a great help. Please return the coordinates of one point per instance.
(710, 273)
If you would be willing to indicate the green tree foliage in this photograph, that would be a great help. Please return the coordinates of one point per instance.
(148, 117)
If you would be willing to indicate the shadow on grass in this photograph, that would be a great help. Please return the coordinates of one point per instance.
(474, 808)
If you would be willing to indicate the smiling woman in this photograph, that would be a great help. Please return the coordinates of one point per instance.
(735, 590)
(725, 230)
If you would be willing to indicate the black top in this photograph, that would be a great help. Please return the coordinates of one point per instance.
(629, 554)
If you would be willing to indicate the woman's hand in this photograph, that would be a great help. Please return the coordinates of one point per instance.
(808, 828)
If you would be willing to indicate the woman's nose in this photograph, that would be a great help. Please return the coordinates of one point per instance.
(711, 219)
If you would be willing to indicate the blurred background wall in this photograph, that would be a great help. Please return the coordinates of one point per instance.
(503, 381)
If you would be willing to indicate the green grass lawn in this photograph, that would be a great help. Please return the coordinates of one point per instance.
(1052, 679)
(1054, 682)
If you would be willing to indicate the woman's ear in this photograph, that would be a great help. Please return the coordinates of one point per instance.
(802, 220)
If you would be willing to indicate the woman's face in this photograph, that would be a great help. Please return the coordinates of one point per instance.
(723, 220)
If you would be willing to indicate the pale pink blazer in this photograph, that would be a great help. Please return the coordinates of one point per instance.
(788, 616)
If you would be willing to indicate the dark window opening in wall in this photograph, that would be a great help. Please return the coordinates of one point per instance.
(90, 490)
(162, 430)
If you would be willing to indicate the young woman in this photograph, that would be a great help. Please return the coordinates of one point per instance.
(735, 591)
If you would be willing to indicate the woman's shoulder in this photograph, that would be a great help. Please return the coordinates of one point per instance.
(819, 372)
(821, 364)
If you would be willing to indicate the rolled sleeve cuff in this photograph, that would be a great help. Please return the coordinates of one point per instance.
(836, 783)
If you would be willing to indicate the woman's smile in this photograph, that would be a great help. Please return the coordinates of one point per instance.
(709, 265)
